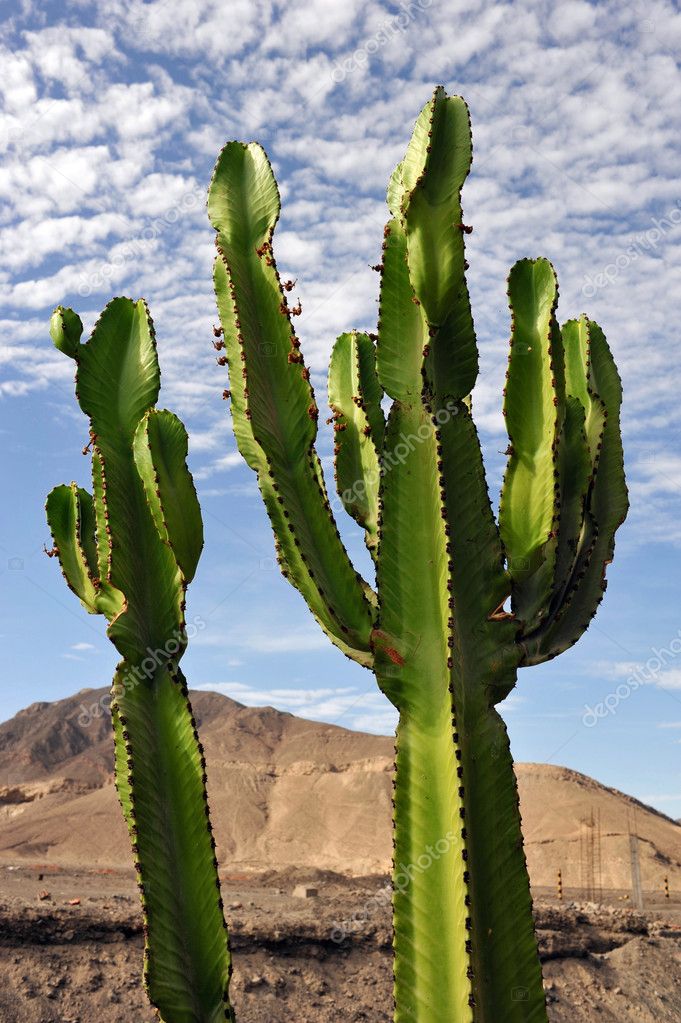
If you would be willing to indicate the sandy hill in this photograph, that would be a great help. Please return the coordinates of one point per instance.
(289, 792)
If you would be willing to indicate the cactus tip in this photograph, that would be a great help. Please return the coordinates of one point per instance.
(66, 328)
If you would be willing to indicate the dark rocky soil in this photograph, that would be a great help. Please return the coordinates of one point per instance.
(81, 963)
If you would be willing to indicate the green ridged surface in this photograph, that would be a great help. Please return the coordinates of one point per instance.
(592, 373)
(402, 330)
(433, 220)
(273, 407)
(187, 968)
(355, 399)
(160, 450)
(431, 960)
(533, 407)
(574, 475)
(64, 506)
(128, 552)
(461, 602)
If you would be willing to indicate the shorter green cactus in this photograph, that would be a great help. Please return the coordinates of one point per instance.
(128, 552)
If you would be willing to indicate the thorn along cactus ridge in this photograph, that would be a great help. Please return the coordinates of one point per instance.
(128, 551)
(436, 631)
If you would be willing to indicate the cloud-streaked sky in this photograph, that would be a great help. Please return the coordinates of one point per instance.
(112, 115)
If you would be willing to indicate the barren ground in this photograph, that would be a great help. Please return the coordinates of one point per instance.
(81, 963)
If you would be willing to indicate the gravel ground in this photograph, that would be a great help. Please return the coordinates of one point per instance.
(71, 945)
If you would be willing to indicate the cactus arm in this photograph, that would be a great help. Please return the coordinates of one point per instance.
(110, 600)
(355, 399)
(117, 382)
(291, 558)
(65, 507)
(161, 782)
(140, 509)
(433, 218)
(102, 534)
(580, 384)
(66, 329)
(574, 470)
(606, 505)
(121, 769)
(431, 958)
(276, 398)
(71, 517)
(128, 368)
(87, 527)
(395, 191)
(250, 449)
(533, 407)
(402, 331)
(425, 320)
(160, 448)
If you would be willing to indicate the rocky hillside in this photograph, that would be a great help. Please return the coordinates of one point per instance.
(289, 792)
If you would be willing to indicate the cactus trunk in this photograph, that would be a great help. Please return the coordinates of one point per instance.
(461, 602)
(464, 941)
(455, 788)
(430, 899)
(507, 981)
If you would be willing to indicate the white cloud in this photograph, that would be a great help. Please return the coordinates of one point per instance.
(669, 679)
(344, 705)
(106, 131)
(224, 463)
(266, 641)
(656, 670)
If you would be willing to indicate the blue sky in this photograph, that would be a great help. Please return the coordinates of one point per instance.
(112, 115)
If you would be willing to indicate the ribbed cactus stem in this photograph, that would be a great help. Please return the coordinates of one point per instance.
(128, 552)
(461, 602)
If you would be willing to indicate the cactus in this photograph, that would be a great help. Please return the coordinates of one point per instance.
(437, 630)
(128, 551)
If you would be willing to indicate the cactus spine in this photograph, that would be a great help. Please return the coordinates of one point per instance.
(128, 552)
(436, 631)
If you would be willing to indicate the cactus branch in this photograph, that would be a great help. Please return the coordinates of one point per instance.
(273, 405)
(592, 377)
(355, 399)
(534, 408)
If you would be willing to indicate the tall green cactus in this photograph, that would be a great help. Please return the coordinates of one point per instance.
(128, 552)
(437, 631)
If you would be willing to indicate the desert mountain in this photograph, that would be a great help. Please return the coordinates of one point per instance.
(289, 792)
